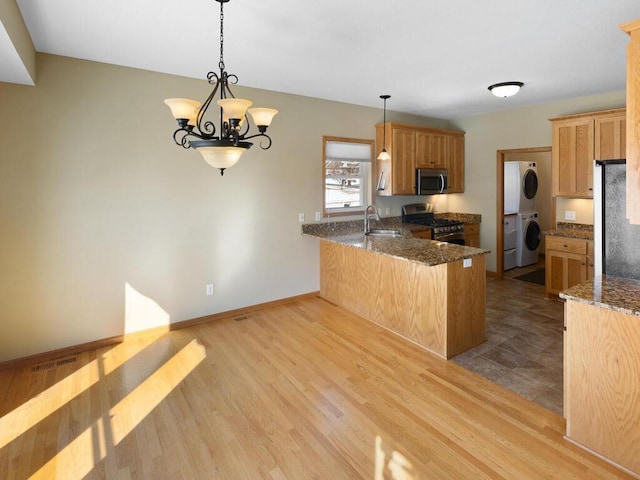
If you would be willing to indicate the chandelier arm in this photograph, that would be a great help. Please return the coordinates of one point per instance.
(207, 127)
(264, 135)
(182, 137)
(246, 128)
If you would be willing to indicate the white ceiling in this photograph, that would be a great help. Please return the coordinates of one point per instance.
(435, 58)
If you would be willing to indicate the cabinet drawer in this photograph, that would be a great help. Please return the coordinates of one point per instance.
(471, 229)
(422, 234)
(564, 244)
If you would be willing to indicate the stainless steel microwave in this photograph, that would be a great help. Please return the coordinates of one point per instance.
(431, 180)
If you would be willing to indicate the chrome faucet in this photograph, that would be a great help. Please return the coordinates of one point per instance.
(368, 216)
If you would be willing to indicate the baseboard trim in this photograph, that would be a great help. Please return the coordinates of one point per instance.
(60, 353)
(107, 342)
(491, 273)
(240, 311)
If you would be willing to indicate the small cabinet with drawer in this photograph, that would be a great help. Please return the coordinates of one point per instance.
(472, 234)
(568, 262)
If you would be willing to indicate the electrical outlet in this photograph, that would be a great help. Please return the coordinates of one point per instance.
(569, 215)
(210, 289)
(301, 217)
(466, 262)
(318, 216)
(387, 211)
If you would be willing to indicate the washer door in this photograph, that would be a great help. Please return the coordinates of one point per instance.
(532, 236)
(530, 184)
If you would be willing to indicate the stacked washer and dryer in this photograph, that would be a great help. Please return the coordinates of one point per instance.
(522, 233)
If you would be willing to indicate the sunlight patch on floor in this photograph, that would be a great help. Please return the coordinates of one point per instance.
(92, 446)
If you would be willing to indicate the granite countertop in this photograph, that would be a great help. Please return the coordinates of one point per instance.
(407, 247)
(580, 231)
(467, 218)
(614, 293)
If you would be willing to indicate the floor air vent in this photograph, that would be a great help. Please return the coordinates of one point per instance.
(237, 319)
(54, 364)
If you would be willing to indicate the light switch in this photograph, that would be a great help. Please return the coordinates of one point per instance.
(569, 215)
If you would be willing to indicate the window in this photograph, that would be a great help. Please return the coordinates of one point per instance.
(346, 175)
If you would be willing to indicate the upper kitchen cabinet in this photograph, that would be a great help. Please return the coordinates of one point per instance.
(577, 141)
(455, 162)
(431, 150)
(611, 136)
(412, 147)
(397, 175)
(633, 122)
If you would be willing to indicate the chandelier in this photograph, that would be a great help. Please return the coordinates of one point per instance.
(220, 148)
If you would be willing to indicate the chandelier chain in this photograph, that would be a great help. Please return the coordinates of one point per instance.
(221, 63)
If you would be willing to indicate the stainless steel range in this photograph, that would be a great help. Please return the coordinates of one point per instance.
(451, 231)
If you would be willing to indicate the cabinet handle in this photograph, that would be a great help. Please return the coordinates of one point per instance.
(565, 246)
(583, 263)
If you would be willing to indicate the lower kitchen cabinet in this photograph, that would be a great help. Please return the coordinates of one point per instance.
(601, 382)
(472, 235)
(568, 262)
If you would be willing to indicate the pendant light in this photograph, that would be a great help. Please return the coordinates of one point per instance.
(224, 148)
(384, 155)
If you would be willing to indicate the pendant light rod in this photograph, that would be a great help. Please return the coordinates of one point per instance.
(384, 155)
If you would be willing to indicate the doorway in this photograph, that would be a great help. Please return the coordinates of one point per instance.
(544, 204)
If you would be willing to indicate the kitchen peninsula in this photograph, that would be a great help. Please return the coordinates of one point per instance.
(432, 293)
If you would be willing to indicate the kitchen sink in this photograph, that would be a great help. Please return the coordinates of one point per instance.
(384, 233)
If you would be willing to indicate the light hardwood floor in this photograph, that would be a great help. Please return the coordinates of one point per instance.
(298, 391)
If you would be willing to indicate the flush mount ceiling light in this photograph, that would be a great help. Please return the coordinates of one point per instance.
(224, 148)
(384, 155)
(505, 89)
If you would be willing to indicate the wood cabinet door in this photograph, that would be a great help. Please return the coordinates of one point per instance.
(611, 137)
(455, 163)
(472, 235)
(563, 270)
(633, 122)
(403, 158)
(590, 260)
(572, 157)
(431, 150)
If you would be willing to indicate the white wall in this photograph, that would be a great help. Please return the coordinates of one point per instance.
(583, 208)
(519, 128)
(107, 227)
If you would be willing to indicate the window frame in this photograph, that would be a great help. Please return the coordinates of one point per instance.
(367, 179)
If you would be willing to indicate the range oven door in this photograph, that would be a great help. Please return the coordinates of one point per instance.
(453, 237)
(431, 181)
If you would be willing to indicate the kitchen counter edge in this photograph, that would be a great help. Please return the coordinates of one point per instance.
(406, 247)
(614, 293)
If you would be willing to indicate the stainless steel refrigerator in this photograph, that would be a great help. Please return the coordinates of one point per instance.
(616, 242)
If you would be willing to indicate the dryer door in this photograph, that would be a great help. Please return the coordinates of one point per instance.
(530, 184)
(533, 235)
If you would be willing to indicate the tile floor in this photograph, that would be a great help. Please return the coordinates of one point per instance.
(523, 351)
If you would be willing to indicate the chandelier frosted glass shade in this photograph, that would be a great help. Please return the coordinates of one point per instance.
(220, 156)
(184, 108)
(262, 117)
(505, 89)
